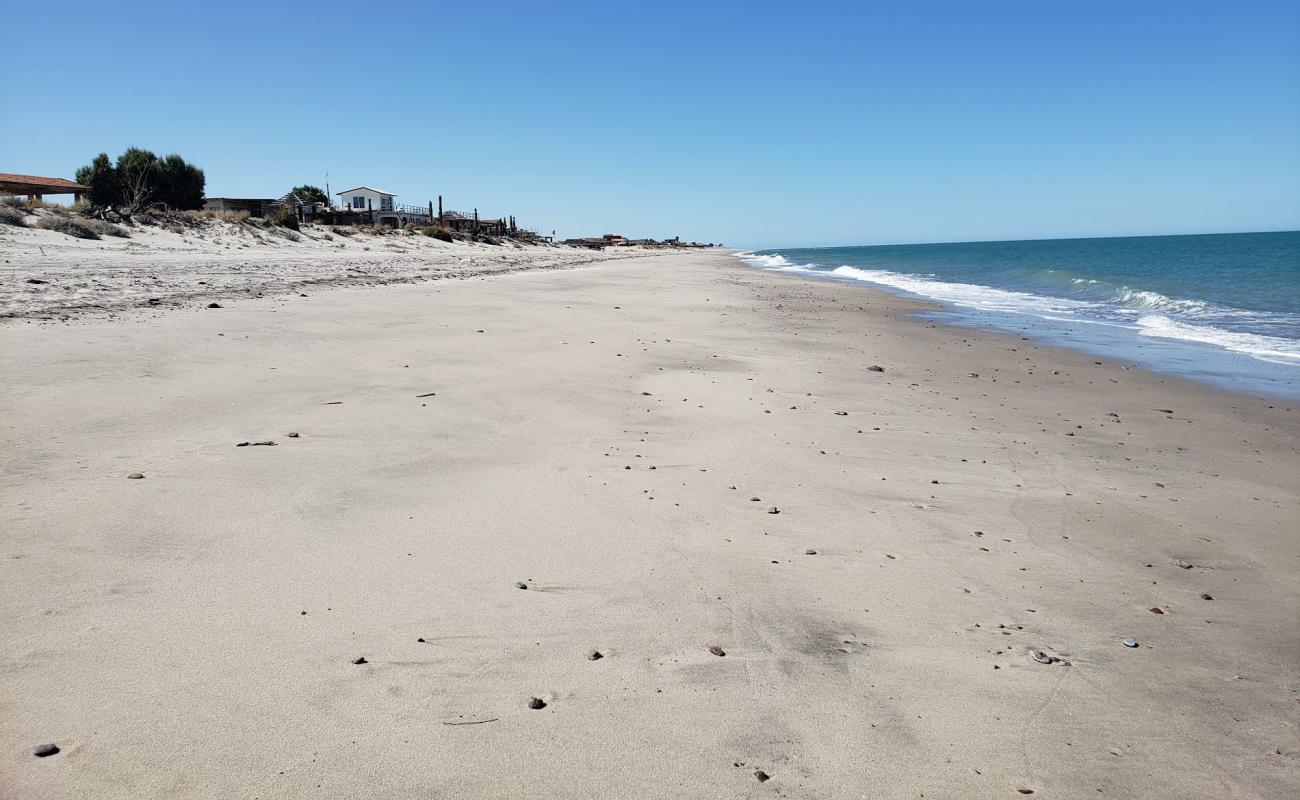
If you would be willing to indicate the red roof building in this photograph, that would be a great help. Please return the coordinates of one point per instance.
(35, 185)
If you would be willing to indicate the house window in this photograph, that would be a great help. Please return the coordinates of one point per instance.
(358, 202)
(385, 204)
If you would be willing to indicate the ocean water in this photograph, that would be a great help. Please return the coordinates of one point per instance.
(1222, 308)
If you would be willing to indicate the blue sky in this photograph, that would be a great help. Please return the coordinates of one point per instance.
(754, 124)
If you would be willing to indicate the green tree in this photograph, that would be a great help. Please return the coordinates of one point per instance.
(137, 174)
(310, 194)
(140, 179)
(179, 183)
(101, 177)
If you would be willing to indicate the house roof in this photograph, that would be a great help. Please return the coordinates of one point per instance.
(52, 185)
(368, 189)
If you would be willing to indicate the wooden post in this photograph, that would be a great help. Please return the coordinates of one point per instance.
(439, 211)
(476, 221)
(430, 212)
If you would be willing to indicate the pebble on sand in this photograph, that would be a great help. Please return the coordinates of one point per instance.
(774, 510)
(292, 435)
(360, 660)
(214, 305)
(1042, 658)
(45, 750)
(762, 776)
(595, 655)
(135, 476)
(520, 585)
(1129, 641)
(810, 552)
(536, 703)
(717, 651)
(875, 368)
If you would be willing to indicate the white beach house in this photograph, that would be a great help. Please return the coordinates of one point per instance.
(364, 198)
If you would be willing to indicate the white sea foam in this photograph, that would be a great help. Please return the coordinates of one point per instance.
(964, 294)
(1138, 299)
(766, 262)
(1119, 311)
(1265, 348)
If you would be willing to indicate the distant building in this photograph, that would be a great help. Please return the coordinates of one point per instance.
(364, 198)
(36, 186)
(255, 206)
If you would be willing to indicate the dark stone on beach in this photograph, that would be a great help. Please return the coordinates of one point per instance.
(1025, 791)
(520, 585)
(1155, 610)
(243, 444)
(762, 776)
(810, 552)
(1185, 564)
(1206, 597)
(875, 368)
(841, 413)
(646, 394)
(755, 499)
(595, 655)
(774, 510)
(360, 660)
(214, 305)
(536, 703)
(36, 280)
(45, 750)
(717, 651)
(135, 476)
(292, 434)
(1041, 657)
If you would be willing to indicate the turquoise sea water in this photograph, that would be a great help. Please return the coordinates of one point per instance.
(1223, 308)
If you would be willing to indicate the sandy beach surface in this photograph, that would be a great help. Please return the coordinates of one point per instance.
(803, 577)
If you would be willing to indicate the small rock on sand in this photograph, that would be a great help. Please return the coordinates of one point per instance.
(761, 776)
(810, 552)
(520, 585)
(1205, 596)
(45, 750)
(292, 435)
(1042, 658)
(1129, 641)
(595, 655)
(774, 510)
(536, 703)
(875, 368)
(214, 305)
(717, 651)
(135, 476)
(360, 660)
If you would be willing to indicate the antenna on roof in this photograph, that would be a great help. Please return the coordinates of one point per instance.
(329, 198)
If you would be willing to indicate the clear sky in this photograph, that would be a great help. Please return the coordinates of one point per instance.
(750, 123)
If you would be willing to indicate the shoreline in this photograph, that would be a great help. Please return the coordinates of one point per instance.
(597, 434)
(1164, 327)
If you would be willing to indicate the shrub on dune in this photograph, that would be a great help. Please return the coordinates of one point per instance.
(103, 228)
(12, 216)
(71, 227)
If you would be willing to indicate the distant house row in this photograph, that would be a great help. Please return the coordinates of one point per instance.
(366, 205)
